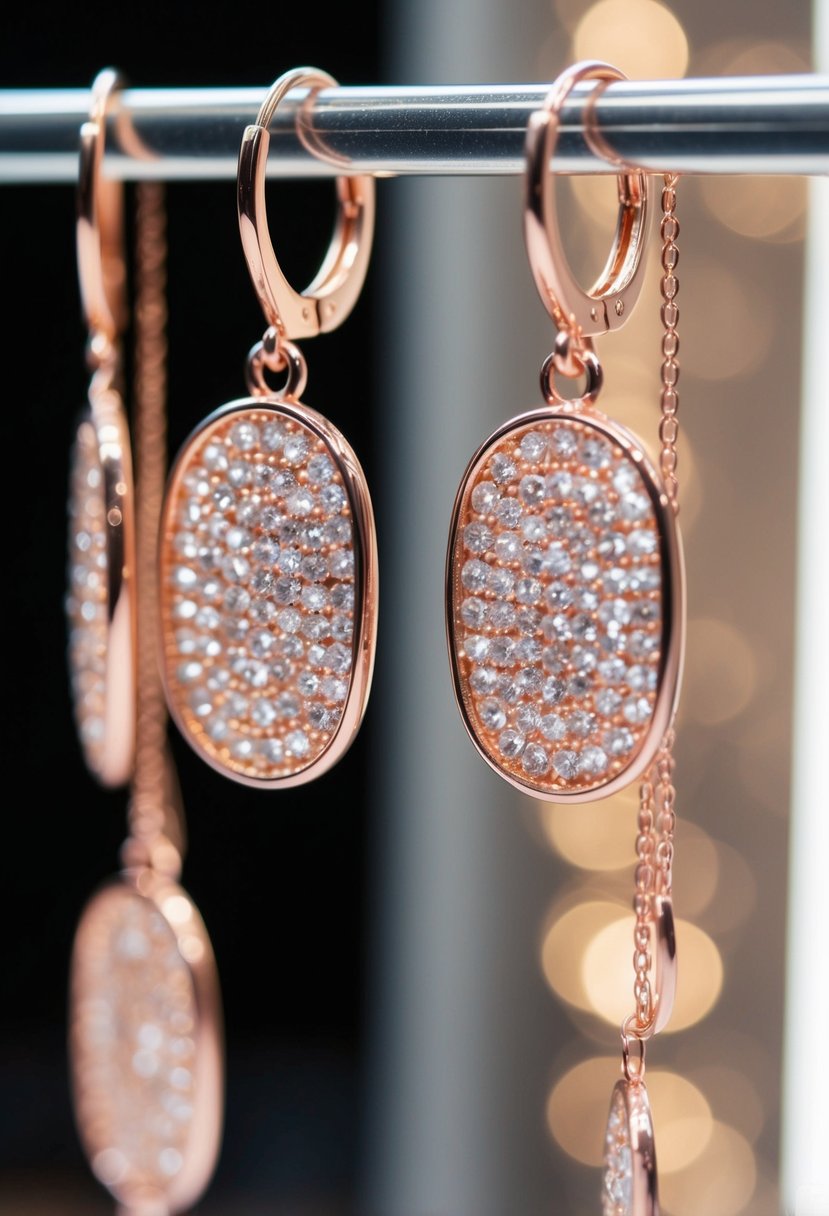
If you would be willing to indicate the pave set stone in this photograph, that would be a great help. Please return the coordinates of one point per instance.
(617, 1175)
(557, 605)
(259, 593)
(134, 1023)
(86, 599)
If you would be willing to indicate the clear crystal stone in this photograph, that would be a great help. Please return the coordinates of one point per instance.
(634, 506)
(483, 679)
(473, 611)
(484, 497)
(641, 678)
(535, 760)
(501, 615)
(215, 457)
(553, 690)
(297, 743)
(320, 469)
(333, 499)
(475, 574)
(508, 546)
(289, 620)
(500, 582)
(531, 489)
(595, 453)
(637, 710)
(594, 760)
(618, 741)
(566, 764)
(503, 469)
(533, 562)
(564, 441)
(559, 485)
(642, 645)
(508, 512)
(607, 702)
(492, 714)
(477, 538)
(286, 589)
(533, 445)
(533, 528)
(239, 474)
(528, 591)
(511, 743)
(552, 727)
(295, 448)
(262, 583)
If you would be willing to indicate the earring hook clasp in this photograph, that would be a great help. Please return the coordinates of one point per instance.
(610, 301)
(100, 226)
(336, 287)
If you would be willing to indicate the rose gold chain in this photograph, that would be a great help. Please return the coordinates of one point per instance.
(669, 312)
(154, 819)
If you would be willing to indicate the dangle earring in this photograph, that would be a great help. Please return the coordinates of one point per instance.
(145, 1016)
(100, 602)
(565, 606)
(268, 549)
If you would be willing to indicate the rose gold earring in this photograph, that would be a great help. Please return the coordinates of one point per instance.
(565, 606)
(268, 548)
(145, 1016)
(100, 602)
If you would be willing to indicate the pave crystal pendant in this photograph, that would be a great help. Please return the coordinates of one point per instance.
(145, 1043)
(629, 1181)
(565, 605)
(268, 592)
(100, 600)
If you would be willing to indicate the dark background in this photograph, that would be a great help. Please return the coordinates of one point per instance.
(280, 878)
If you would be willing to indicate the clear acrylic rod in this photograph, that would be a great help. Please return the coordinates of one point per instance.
(746, 125)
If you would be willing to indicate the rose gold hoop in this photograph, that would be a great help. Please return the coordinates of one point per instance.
(328, 300)
(100, 227)
(610, 301)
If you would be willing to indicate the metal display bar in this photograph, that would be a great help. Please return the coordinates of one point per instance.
(745, 125)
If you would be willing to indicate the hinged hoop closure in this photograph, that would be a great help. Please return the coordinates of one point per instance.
(334, 291)
(611, 299)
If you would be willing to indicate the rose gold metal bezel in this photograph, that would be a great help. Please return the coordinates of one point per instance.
(672, 591)
(365, 585)
(108, 421)
(644, 1186)
(204, 1137)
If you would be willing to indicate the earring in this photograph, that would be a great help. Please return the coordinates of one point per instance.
(145, 1017)
(268, 549)
(100, 602)
(564, 594)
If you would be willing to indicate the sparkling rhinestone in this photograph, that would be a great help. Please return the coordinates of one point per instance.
(584, 628)
(580, 723)
(316, 655)
(559, 520)
(508, 546)
(624, 478)
(338, 658)
(579, 685)
(315, 598)
(507, 689)
(642, 644)
(644, 578)
(595, 453)
(533, 528)
(585, 491)
(208, 618)
(300, 502)
(501, 651)
(273, 750)
(566, 764)
(474, 575)
(251, 671)
(281, 669)
(477, 538)
(476, 647)
(612, 671)
(266, 551)
(492, 714)
(614, 612)
(188, 672)
(559, 595)
(237, 538)
(316, 627)
(552, 660)
(589, 571)
(527, 718)
(334, 689)
(262, 583)
(483, 679)
(320, 469)
(236, 599)
(336, 532)
(634, 506)
(511, 743)
(593, 761)
(342, 596)
(289, 620)
(645, 612)
(508, 512)
(333, 499)
(528, 650)
(286, 589)
(292, 647)
(533, 562)
(484, 497)
(261, 643)
(528, 591)
(584, 658)
(641, 542)
(501, 615)
(500, 582)
(342, 629)
(217, 728)
(473, 612)
(341, 563)
(185, 577)
(210, 558)
(236, 568)
(556, 628)
(263, 712)
(297, 743)
(272, 436)
(533, 446)
(236, 704)
(528, 620)
(290, 559)
(322, 717)
(224, 497)
(244, 435)
(637, 710)
(564, 441)
(283, 481)
(270, 519)
(201, 703)
(641, 678)
(556, 560)
(239, 474)
(601, 514)
(618, 741)
(308, 683)
(552, 727)
(553, 690)
(615, 579)
(531, 489)
(503, 469)
(612, 545)
(607, 702)
(287, 705)
(529, 680)
(295, 448)
(215, 457)
(535, 760)
(560, 485)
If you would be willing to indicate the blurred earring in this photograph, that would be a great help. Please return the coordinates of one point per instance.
(268, 549)
(100, 602)
(564, 593)
(145, 1015)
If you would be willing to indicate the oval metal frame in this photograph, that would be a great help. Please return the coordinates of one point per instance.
(673, 602)
(185, 923)
(365, 586)
(644, 1181)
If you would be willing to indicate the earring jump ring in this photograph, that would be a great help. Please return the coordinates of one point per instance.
(611, 300)
(328, 300)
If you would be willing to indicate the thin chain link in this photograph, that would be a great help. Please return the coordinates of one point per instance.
(657, 796)
(669, 312)
(154, 820)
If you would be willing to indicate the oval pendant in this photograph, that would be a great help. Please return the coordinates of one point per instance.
(564, 605)
(268, 592)
(100, 601)
(145, 1043)
(629, 1180)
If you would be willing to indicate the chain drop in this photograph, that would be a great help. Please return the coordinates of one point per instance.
(669, 312)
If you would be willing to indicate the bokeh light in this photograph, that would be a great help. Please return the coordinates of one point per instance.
(682, 1119)
(720, 672)
(719, 1182)
(564, 945)
(607, 975)
(765, 208)
(642, 37)
(726, 324)
(697, 873)
(600, 836)
(733, 1096)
